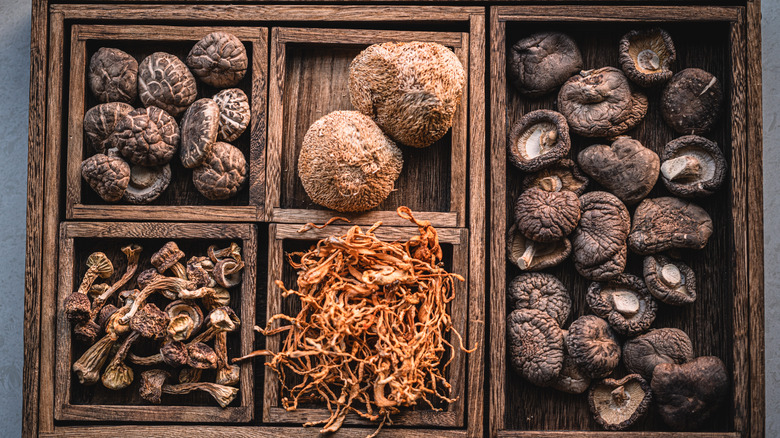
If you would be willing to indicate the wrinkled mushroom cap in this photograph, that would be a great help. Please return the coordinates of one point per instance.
(692, 166)
(152, 382)
(534, 256)
(535, 345)
(199, 128)
(542, 62)
(616, 404)
(167, 256)
(541, 292)
(624, 302)
(563, 175)
(107, 175)
(147, 183)
(146, 276)
(571, 379)
(222, 174)
(546, 216)
(77, 307)
(101, 264)
(147, 136)
(198, 271)
(229, 375)
(539, 139)
(665, 345)
(174, 353)
(670, 281)
(593, 346)
(113, 75)
(219, 59)
(691, 101)
(99, 123)
(201, 356)
(234, 113)
(599, 241)
(117, 376)
(662, 224)
(150, 322)
(165, 82)
(646, 56)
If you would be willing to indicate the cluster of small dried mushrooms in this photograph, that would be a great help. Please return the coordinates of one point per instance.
(555, 218)
(134, 146)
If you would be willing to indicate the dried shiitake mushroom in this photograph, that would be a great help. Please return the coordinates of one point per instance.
(563, 175)
(346, 163)
(165, 82)
(541, 292)
(219, 59)
(108, 175)
(234, 113)
(662, 224)
(99, 123)
(593, 346)
(646, 56)
(199, 129)
(147, 183)
(223, 173)
(537, 140)
(616, 404)
(624, 302)
(147, 136)
(665, 345)
(571, 379)
(540, 63)
(535, 345)
(546, 216)
(534, 256)
(113, 75)
(692, 166)
(670, 281)
(691, 101)
(599, 241)
(411, 90)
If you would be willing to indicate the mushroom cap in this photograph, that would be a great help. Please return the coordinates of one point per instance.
(539, 139)
(665, 345)
(185, 319)
(199, 129)
(626, 168)
(201, 356)
(227, 272)
(571, 379)
(105, 313)
(229, 375)
(150, 322)
(542, 62)
(219, 59)
(101, 263)
(691, 101)
(77, 307)
(224, 318)
(152, 382)
(411, 90)
(593, 346)
(99, 123)
(222, 174)
(346, 163)
(117, 376)
(599, 241)
(167, 256)
(662, 224)
(616, 404)
(624, 302)
(692, 166)
(146, 276)
(601, 103)
(535, 345)
(147, 136)
(541, 292)
(165, 82)
(174, 353)
(541, 255)
(113, 75)
(147, 183)
(234, 113)
(563, 175)
(688, 394)
(646, 56)
(198, 271)
(670, 281)
(107, 175)
(546, 216)
(219, 298)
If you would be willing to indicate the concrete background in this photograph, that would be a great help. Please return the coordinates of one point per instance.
(14, 88)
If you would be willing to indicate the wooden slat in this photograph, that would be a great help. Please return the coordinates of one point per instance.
(210, 431)
(74, 143)
(156, 230)
(169, 213)
(403, 418)
(258, 124)
(363, 37)
(273, 169)
(621, 434)
(297, 216)
(385, 232)
(168, 414)
(144, 32)
(611, 13)
(271, 384)
(460, 139)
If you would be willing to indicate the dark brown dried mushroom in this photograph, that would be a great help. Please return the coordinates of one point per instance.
(199, 129)
(534, 256)
(535, 345)
(165, 82)
(201, 356)
(108, 175)
(662, 224)
(168, 257)
(670, 281)
(227, 272)
(571, 379)
(538, 139)
(147, 136)
(152, 382)
(563, 175)
(626, 168)
(546, 216)
(542, 62)
(99, 123)
(199, 271)
(624, 302)
(599, 241)
(665, 345)
(593, 346)
(692, 166)
(646, 56)
(113, 75)
(222, 174)
(616, 404)
(541, 292)
(234, 113)
(219, 59)
(691, 101)
(147, 183)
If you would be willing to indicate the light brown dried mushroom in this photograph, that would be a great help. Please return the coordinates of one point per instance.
(199, 128)
(646, 56)
(147, 136)
(113, 75)
(147, 183)
(546, 216)
(616, 404)
(541, 292)
(691, 101)
(661, 224)
(185, 319)
(692, 166)
(534, 256)
(165, 82)
(665, 345)
(670, 281)
(537, 140)
(624, 302)
(222, 174)
(108, 175)
(593, 346)
(542, 62)
(99, 123)
(599, 241)
(219, 59)
(535, 345)
(234, 113)
(563, 175)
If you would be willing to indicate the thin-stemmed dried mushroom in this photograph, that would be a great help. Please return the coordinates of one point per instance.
(234, 113)
(147, 136)
(665, 345)
(99, 123)
(538, 139)
(77, 305)
(199, 129)
(107, 174)
(223, 173)
(535, 345)
(546, 216)
(599, 241)
(147, 183)
(624, 302)
(153, 386)
(691, 101)
(616, 404)
(113, 75)
(219, 59)
(540, 63)
(593, 346)
(185, 318)
(692, 166)
(167, 258)
(563, 175)
(87, 367)
(541, 292)
(571, 379)
(534, 256)
(662, 224)
(670, 281)
(646, 56)
(165, 82)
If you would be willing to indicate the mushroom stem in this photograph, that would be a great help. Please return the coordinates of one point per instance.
(670, 274)
(178, 285)
(528, 255)
(620, 396)
(133, 253)
(224, 395)
(648, 60)
(681, 168)
(87, 368)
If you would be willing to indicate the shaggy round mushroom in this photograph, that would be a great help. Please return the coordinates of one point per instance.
(599, 241)
(563, 175)
(538, 139)
(646, 56)
(100, 121)
(534, 256)
(219, 59)
(535, 345)
(546, 216)
(692, 166)
(626, 168)
(661, 224)
(222, 174)
(624, 302)
(665, 345)
(593, 346)
(691, 101)
(147, 136)
(616, 404)
(113, 75)
(165, 82)
(346, 163)
(234, 113)
(600, 103)
(670, 281)
(541, 292)
(199, 129)
(108, 175)
(147, 183)
(540, 63)
(411, 90)
(571, 379)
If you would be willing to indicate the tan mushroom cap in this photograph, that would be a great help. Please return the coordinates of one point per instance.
(165, 81)
(101, 264)
(147, 183)
(599, 241)
(616, 404)
(100, 121)
(539, 139)
(546, 216)
(646, 56)
(624, 302)
(670, 281)
(534, 256)
(692, 166)
(563, 175)
(150, 322)
(108, 175)
(199, 129)
(535, 345)
(593, 346)
(664, 345)
(661, 224)
(542, 62)
(222, 174)
(219, 59)
(234, 113)
(113, 75)
(147, 136)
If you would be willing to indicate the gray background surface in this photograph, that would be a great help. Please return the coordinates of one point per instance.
(14, 88)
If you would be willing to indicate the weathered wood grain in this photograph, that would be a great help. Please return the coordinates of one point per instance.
(624, 13)
(603, 434)
(210, 431)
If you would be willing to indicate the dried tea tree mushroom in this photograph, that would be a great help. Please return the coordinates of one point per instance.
(624, 302)
(599, 241)
(411, 90)
(222, 174)
(601, 103)
(185, 318)
(688, 395)
(535, 345)
(153, 386)
(692, 166)
(87, 367)
(147, 183)
(199, 129)
(563, 175)
(541, 292)
(113, 75)
(538, 139)
(593, 346)
(546, 216)
(347, 163)
(167, 258)
(670, 281)
(646, 56)
(691, 101)
(534, 256)
(227, 272)
(571, 379)
(147, 136)
(542, 62)
(665, 345)
(616, 404)
(99, 123)
(234, 113)
(108, 175)
(77, 305)
(165, 82)
(661, 224)
(626, 168)
(219, 59)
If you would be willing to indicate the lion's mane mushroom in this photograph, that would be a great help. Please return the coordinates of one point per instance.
(626, 168)
(600, 103)
(538, 139)
(223, 173)
(546, 216)
(687, 395)
(165, 82)
(571, 379)
(540, 63)
(665, 345)
(147, 136)
(99, 123)
(147, 183)
(534, 256)
(219, 59)
(113, 75)
(692, 166)
(646, 56)
(199, 129)
(661, 224)
(541, 292)
(616, 404)
(411, 90)
(347, 163)
(670, 281)
(624, 302)
(108, 175)
(234, 113)
(599, 241)
(563, 175)
(593, 346)
(535, 345)
(691, 101)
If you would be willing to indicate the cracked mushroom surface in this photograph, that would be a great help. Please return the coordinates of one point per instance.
(113, 75)
(601, 103)
(624, 302)
(599, 241)
(540, 291)
(616, 404)
(691, 101)
(539, 139)
(661, 224)
(234, 113)
(165, 81)
(535, 345)
(546, 216)
(542, 62)
(534, 256)
(563, 175)
(692, 166)
(646, 56)
(593, 345)
(670, 281)
(147, 136)
(664, 345)
(147, 183)
(199, 129)
(219, 59)
(223, 173)
(108, 175)
(100, 121)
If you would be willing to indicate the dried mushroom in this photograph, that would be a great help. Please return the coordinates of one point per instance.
(665, 345)
(662, 224)
(165, 82)
(571, 379)
(534, 256)
(692, 166)
(167, 258)
(234, 113)
(541, 292)
(624, 302)
(616, 404)
(223, 173)
(219, 59)
(147, 136)
(147, 183)
(153, 386)
(199, 129)
(563, 175)
(542, 62)
(593, 346)
(99, 123)
(113, 75)
(184, 319)
(411, 90)
(601, 103)
(108, 175)
(691, 101)
(538, 139)
(535, 345)
(599, 241)
(546, 216)
(646, 56)
(670, 281)
(626, 168)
